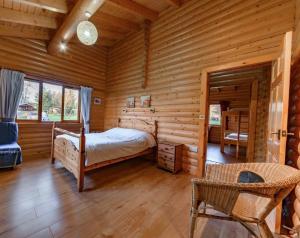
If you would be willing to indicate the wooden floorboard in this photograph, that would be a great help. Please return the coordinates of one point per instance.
(214, 154)
(129, 199)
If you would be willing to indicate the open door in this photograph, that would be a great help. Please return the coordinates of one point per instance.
(278, 111)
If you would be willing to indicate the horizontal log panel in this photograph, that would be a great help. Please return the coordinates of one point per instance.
(294, 120)
(35, 60)
(184, 41)
(295, 130)
(293, 148)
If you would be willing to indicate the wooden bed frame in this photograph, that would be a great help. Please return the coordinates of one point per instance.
(74, 160)
(225, 131)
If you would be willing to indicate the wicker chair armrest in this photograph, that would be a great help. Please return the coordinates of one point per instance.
(260, 189)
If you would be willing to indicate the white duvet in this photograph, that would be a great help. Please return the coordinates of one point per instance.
(234, 136)
(113, 144)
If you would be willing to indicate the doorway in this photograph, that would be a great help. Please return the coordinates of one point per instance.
(238, 104)
(278, 108)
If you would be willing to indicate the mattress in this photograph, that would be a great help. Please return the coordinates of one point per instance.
(234, 136)
(112, 144)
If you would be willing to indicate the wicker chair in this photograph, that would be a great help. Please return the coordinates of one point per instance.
(247, 203)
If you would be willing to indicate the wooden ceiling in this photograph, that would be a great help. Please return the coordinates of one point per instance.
(237, 77)
(42, 19)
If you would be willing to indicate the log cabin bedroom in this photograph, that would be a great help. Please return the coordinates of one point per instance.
(157, 119)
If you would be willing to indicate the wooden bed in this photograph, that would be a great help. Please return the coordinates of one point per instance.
(235, 129)
(74, 160)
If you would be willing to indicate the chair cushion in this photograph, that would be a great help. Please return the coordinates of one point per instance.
(249, 177)
(8, 132)
(10, 155)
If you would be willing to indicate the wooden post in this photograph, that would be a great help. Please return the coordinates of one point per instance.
(238, 135)
(81, 160)
(147, 25)
(252, 121)
(52, 144)
(223, 125)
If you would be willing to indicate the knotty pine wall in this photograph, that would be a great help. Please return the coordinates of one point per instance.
(79, 65)
(184, 41)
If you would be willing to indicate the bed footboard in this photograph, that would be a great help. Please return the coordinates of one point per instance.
(70, 157)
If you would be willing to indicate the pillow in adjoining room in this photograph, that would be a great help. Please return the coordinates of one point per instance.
(249, 177)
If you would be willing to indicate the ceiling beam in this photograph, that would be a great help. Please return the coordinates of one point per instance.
(20, 31)
(59, 6)
(9, 15)
(68, 27)
(102, 17)
(175, 3)
(135, 8)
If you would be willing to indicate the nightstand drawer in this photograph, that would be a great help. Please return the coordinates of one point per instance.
(165, 156)
(166, 148)
(165, 164)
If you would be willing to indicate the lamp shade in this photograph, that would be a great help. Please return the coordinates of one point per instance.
(87, 33)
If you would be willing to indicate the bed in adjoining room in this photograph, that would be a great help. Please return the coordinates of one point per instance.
(80, 153)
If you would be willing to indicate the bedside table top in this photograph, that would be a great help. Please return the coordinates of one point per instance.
(169, 143)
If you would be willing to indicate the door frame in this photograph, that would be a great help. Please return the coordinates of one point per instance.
(203, 112)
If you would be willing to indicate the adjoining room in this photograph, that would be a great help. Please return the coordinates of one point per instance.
(238, 114)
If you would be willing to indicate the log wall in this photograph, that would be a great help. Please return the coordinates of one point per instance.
(296, 44)
(292, 203)
(184, 41)
(79, 65)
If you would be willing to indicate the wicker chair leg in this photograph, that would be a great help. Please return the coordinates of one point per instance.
(193, 218)
(264, 230)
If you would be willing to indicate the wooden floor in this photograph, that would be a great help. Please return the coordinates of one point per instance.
(215, 156)
(130, 199)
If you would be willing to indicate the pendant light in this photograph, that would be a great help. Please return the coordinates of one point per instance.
(87, 32)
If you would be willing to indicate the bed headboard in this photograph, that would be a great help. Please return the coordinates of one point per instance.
(149, 126)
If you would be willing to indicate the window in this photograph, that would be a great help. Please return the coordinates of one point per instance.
(71, 97)
(29, 104)
(48, 102)
(215, 114)
(52, 102)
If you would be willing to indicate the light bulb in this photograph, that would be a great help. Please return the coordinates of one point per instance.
(87, 33)
(63, 46)
(87, 14)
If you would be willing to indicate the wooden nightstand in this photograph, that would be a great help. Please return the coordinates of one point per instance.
(169, 156)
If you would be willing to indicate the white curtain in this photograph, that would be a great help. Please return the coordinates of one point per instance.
(11, 88)
(86, 97)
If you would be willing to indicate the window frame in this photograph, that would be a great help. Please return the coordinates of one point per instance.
(40, 103)
(210, 113)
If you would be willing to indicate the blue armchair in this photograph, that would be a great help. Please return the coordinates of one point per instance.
(10, 151)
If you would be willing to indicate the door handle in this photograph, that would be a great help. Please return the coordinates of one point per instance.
(278, 133)
(282, 133)
(285, 133)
